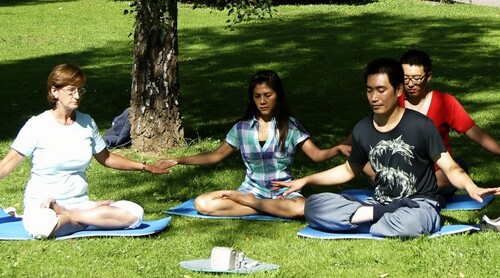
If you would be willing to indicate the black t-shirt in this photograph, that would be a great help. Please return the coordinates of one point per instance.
(401, 158)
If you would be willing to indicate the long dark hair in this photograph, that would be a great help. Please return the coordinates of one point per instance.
(281, 112)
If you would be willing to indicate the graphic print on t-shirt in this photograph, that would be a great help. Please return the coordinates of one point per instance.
(392, 182)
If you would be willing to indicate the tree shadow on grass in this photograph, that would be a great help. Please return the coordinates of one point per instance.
(9, 3)
(319, 57)
(24, 90)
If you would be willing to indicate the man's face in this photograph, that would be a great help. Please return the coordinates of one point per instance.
(415, 83)
(382, 97)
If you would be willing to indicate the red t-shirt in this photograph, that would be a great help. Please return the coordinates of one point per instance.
(446, 112)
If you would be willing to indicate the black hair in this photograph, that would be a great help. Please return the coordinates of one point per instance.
(281, 111)
(416, 57)
(388, 66)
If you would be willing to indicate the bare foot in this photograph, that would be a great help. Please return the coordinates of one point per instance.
(280, 197)
(104, 203)
(11, 211)
(48, 203)
(246, 199)
(52, 204)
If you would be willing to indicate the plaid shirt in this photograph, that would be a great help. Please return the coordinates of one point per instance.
(267, 163)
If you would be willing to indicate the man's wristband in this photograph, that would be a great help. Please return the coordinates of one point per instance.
(143, 166)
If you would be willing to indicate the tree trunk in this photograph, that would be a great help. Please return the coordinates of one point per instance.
(154, 114)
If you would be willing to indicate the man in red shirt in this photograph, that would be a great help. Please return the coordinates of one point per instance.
(442, 108)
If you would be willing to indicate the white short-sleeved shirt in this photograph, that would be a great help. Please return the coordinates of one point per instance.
(60, 156)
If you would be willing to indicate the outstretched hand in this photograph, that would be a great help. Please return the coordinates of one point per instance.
(476, 192)
(165, 163)
(293, 186)
(160, 167)
(345, 149)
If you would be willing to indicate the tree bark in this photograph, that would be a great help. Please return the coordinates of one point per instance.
(154, 114)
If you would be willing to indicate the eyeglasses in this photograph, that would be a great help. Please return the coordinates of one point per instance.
(70, 90)
(414, 79)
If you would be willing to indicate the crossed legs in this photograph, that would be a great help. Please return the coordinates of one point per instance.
(333, 212)
(235, 203)
(105, 215)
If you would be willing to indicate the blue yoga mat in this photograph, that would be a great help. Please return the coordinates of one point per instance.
(458, 202)
(12, 228)
(445, 230)
(187, 209)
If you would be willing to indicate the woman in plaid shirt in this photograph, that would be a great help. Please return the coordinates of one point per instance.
(267, 137)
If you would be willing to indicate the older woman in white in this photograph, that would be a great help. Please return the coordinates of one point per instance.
(61, 142)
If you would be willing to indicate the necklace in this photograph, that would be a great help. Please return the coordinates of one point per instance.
(419, 105)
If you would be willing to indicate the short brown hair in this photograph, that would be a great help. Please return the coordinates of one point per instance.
(63, 75)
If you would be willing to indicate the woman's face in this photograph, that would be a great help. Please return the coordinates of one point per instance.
(265, 99)
(69, 96)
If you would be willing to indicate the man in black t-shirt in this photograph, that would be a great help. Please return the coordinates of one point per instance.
(401, 156)
(401, 146)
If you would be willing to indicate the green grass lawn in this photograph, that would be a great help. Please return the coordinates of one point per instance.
(319, 51)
